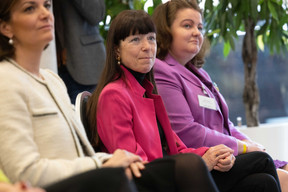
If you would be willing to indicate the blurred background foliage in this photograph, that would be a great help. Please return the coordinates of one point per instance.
(113, 7)
(263, 23)
(226, 23)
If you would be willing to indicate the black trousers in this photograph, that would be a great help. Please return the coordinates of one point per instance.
(176, 173)
(181, 173)
(102, 180)
(252, 172)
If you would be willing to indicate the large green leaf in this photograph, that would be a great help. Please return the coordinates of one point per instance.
(272, 9)
(260, 42)
(223, 24)
(226, 49)
(279, 2)
(238, 21)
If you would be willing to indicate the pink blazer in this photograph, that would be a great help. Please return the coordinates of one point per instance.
(127, 120)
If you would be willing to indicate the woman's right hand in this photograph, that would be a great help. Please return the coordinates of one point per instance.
(250, 146)
(214, 154)
(254, 146)
(131, 162)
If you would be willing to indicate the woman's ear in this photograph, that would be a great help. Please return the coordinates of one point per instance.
(117, 51)
(5, 29)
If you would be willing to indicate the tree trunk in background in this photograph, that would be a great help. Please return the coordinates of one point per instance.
(250, 94)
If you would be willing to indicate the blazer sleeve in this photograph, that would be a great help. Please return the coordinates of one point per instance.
(182, 148)
(115, 123)
(92, 10)
(182, 120)
(236, 133)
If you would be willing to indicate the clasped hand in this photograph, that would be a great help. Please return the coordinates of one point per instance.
(132, 163)
(220, 158)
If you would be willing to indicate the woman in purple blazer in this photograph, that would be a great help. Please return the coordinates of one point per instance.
(125, 112)
(197, 111)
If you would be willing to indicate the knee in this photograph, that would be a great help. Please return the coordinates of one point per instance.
(282, 173)
(263, 157)
(266, 181)
(191, 161)
(283, 178)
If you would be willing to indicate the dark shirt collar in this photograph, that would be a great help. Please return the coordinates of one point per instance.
(138, 76)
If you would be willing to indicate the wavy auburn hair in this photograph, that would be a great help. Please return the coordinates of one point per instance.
(163, 17)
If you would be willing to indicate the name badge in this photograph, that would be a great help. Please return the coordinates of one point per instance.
(207, 102)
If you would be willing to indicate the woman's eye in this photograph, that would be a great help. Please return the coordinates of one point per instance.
(48, 5)
(135, 39)
(29, 9)
(187, 26)
(151, 38)
(201, 29)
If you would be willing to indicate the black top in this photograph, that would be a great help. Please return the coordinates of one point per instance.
(140, 77)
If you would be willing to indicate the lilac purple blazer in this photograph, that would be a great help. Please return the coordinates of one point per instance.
(127, 120)
(195, 125)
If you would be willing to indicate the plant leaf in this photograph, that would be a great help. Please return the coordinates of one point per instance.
(272, 9)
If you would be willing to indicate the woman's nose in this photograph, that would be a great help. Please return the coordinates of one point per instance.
(146, 45)
(45, 13)
(196, 32)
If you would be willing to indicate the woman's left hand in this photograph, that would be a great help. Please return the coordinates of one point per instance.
(135, 169)
(225, 162)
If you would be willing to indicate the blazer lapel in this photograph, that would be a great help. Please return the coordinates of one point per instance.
(162, 117)
(191, 77)
(183, 71)
(73, 125)
(80, 138)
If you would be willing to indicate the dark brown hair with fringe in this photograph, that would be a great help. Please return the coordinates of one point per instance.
(126, 23)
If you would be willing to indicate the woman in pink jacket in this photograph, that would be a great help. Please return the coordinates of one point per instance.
(125, 112)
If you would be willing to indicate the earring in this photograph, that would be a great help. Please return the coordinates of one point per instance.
(118, 60)
(11, 41)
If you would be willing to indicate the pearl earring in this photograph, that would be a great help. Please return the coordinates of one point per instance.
(118, 60)
(11, 41)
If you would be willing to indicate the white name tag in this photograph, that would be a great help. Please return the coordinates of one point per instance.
(207, 102)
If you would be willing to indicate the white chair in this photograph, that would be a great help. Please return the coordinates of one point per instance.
(80, 107)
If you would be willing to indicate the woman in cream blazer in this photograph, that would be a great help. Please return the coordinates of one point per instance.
(41, 140)
(37, 122)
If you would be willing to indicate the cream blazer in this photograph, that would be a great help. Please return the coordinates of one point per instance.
(41, 139)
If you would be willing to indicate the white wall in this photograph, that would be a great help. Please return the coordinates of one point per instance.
(274, 137)
(49, 59)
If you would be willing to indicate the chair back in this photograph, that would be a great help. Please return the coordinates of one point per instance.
(80, 107)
